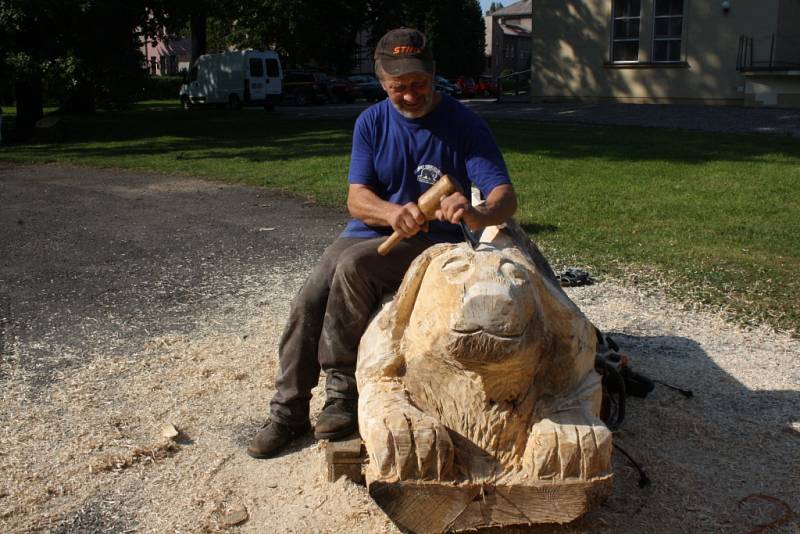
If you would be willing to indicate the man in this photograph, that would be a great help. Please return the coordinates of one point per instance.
(400, 147)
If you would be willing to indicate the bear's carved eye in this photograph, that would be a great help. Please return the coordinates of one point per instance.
(456, 267)
(513, 272)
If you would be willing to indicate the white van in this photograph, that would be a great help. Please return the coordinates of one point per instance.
(240, 78)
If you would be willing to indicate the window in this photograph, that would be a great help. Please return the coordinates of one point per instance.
(272, 68)
(626, 17)
(667, 29)
(256, 67)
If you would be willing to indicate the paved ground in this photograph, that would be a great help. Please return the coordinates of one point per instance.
(705, 118)
(96, 261)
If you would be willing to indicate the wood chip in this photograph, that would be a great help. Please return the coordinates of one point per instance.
(235, 515)
(169, 431)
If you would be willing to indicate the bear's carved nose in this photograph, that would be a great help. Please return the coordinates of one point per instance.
(491, 307)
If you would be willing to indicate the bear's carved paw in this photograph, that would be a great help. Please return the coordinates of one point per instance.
(568, 446)
(408, 444)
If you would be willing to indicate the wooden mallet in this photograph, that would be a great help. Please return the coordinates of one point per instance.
(428, 203)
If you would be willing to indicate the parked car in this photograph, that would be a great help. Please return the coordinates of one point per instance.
(343, 90)
(443, 85)
(303, 87)
(369, 86)
(486, 86)
(467, 85)
(240, 78)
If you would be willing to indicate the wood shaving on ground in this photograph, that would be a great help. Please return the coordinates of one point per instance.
(736, 437)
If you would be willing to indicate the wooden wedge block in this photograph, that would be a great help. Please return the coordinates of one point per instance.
(345, 458)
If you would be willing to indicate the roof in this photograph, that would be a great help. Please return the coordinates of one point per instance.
(516, 9)
(513, 29)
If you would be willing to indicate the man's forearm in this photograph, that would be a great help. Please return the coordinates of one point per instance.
(365, 205)
(499, 206)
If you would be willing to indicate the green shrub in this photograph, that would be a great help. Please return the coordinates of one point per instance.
(161, 88)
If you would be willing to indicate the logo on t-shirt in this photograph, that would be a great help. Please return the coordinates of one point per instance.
(427, 174)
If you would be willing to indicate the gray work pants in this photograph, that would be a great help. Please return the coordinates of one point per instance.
(329, 316)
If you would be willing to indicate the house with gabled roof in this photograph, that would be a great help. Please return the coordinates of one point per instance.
(167, 56)
(508, 38)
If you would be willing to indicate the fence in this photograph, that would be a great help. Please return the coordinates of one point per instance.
(514, 84)
(766, 53)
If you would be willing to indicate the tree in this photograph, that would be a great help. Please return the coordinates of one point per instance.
(198, 15)
(23, 54)
(455, 29)
(80, 51)
(303, 31)
(494, 6)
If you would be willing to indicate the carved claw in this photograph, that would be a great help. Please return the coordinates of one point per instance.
(568, 445)
(407, 444)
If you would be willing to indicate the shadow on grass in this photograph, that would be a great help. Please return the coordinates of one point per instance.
(632, 143)
(201, 134)
(162, 127)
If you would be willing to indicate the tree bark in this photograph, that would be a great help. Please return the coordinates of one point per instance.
(198, 31)
(30, 105)
(83, 100)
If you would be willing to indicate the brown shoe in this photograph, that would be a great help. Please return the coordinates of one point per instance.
(339, 418)
(272, 438)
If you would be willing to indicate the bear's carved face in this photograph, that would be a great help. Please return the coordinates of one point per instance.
(478, 307)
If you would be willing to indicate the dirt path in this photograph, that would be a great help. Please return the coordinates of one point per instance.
(128, 301)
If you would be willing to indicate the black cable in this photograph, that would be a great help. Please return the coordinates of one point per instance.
(614, 387)
(644, 480)
(685, 392)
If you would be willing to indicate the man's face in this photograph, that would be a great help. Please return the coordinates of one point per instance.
(411, 94)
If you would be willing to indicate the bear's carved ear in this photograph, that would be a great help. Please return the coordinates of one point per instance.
(402, 305)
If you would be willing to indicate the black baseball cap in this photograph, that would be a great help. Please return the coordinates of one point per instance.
(402, 51)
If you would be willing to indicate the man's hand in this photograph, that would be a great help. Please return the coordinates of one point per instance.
(452, 208)
(407, 220)
(498, 207)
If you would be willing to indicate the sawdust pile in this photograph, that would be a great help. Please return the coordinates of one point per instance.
(94, 451)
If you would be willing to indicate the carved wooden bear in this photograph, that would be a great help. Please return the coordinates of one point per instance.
(478, 380)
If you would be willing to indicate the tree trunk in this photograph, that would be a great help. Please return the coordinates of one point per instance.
(30, 105)
(82, 100)
(198, 31)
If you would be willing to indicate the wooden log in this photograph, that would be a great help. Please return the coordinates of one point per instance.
(479, 402)
(421, 506)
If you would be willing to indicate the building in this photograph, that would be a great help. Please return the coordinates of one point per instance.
(167, 57)
(735, 52)
(362, 54)
(508, 38)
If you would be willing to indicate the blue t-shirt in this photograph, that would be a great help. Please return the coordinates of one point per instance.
(400, 158)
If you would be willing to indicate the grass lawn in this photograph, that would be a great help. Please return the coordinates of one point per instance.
(713, 217)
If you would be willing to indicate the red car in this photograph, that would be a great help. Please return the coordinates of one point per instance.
(486, 86)
(467, 86)
(343, 90)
